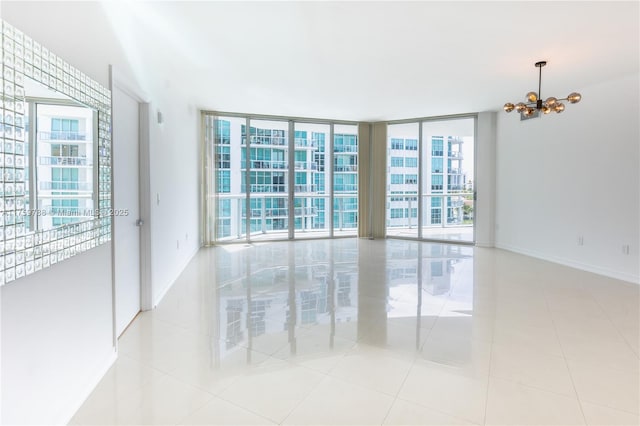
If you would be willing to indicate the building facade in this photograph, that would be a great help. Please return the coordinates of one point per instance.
(264, 170)
(444, 181)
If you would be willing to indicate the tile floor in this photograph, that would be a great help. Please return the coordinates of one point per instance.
(364, 332)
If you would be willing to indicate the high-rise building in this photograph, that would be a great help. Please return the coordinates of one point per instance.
(64, 164)
(443, 177)
(267, 170)
(59, 176)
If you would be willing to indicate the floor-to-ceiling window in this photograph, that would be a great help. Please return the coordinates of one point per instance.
(345, 179)
(263, 174)
(279, 178)
(431, 161)
(312, 187)
(402, 180)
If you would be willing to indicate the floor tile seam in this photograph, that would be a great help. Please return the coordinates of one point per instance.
(534, 387)
(164, 371)
(294, 363)
(606, 314)
(171, 339)
(360, 386)
(455, 337)
(566, 363)
(568, 344)
(436, 409)
(261, 352)
(122, 395)
(455, 370)
(185, 383)
(202, 387)
(142, 363)
(613, 366)
(138, 408)
(153, 317)
(219, 397)
(405, 355)
(530, 352)
(211, 395)
(355, 383)
(303, 399)
(404, 380)
(486, 397)
(599, 404)
(384, 419)
(211, 398)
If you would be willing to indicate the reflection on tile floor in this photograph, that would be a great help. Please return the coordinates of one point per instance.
(353, 331)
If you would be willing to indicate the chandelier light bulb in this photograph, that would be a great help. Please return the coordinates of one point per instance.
(551, 101)
(508, 107)
(532, 96)
(559, 107)
(546, 109)
(574, 97)
(520, 106)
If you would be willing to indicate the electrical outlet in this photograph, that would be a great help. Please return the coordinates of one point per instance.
(580, 240)
(625, 249)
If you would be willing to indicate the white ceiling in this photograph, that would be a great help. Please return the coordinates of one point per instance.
(374, 60)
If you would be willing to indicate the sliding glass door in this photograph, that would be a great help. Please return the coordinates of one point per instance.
(278, 178)
(402, 180)
(431, 161)
(345, 179)
(312, 187)
(264, 173)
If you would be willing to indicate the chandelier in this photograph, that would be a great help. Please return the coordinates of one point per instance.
(535, 103)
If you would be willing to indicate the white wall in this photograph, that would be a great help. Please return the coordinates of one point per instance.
(57, 338)
(574, 174)
(174, 182)
(485, 179)
(57, 324)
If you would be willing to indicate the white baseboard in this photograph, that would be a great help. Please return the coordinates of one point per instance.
(634, 279)
(169, 283)
(67, 414)
(484, 244)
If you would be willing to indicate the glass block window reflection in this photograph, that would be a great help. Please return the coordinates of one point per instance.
(24, 251)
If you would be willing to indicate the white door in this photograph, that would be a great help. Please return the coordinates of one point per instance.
(126, 206)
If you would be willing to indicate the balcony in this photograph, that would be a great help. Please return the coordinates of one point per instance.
(455, 188)
(304, 188)
(345, 168)
(303, 165)
(64, 161)
(345, 188)
(265, 140)
(283, 212)
(455, 155)
(444, 217)
(62, 136)
(345, 149)
(305, 143)
(276, 188)
(269, 165)
(312, 216)
(65, 186)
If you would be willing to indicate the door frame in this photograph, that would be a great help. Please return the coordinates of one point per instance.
(122, 82)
